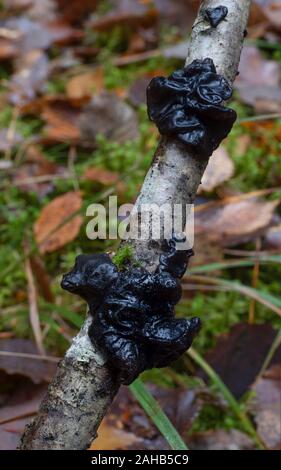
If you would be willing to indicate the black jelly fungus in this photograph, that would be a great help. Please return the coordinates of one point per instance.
(133, 310)
(189, 105)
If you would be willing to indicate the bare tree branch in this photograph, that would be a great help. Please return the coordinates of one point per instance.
(84, 387)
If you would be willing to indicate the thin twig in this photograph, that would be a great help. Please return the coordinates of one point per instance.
(256, 272)
(11, 132)
(33, 307)
(37, 357)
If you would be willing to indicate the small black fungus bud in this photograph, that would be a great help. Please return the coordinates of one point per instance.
(189, 105)
(215, 15)
(133, 313)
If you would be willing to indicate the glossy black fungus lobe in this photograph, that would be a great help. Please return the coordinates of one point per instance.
(133, 310)
(215, 15)
(189, 105)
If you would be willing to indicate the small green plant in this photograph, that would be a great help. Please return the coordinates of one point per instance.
(123, 256)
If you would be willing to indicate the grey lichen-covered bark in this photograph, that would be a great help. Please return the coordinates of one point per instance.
(84, 387)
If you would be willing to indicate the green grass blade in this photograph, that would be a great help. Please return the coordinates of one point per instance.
(275, 345)
(157, 415)
(65, 313)
(234, 264)
(233, 403)
(270, 301)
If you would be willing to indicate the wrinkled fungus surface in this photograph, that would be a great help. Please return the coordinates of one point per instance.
(189, 105)
(133, 310)
(215, 15)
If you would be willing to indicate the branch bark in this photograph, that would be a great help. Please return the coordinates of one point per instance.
(83, 387)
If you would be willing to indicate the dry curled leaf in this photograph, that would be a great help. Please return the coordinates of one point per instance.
(57, 223)
(233, 222)
(220, 168)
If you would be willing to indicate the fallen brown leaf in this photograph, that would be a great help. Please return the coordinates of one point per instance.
(8, 49)
(137, 91)
(30, 77)
(127, 12)
(40, 33)
(86, 84)
(35, 9)
(61, 115)
(267, 407)
(234, 222)
(239, 355)
(29, 175)
(255, 70)
(177, 12)
(73, 10)
(273, 237)
(272, 11)
(16, 411)
(62, 33)
(137, 430)
(258, 81)
(112, 438)
(219, 169)
(104, 177)
(109, 116)
(36, 370)
(219, 439)
(265, 99)
(52, 229)
(62, 121)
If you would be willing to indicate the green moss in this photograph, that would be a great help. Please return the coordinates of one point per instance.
(215, 417)
(56, 86)
(6, 115)
(260, 165)
(123, 256)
